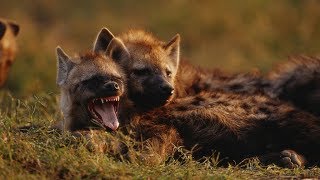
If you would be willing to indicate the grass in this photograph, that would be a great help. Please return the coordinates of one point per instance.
(40, 152)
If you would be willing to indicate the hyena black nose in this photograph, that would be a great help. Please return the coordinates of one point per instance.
(111, 86)
(166, 89)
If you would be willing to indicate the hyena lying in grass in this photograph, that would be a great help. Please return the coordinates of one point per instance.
(91, 85)
(238, 126)
(8, 32)
(152, 63)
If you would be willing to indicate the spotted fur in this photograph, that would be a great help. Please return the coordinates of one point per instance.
(237, 126)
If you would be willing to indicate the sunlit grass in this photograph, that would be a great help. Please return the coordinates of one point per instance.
(40, 152)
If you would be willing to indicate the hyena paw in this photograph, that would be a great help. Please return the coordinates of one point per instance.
(291, 159)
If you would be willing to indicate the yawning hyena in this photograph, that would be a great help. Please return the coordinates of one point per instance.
(91, 85)
(8, 32)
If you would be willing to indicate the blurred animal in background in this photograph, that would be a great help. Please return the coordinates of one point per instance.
(8, 47)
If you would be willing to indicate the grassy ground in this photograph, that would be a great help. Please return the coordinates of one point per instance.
(233, 35)
(42, 153)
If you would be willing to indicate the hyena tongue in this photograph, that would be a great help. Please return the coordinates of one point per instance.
(108, 115)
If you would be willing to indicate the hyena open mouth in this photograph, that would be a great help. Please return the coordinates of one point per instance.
(105, 111)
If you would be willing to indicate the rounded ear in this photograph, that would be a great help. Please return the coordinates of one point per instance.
(117, 50)
(173, 50)
(3, 29)
(14, 27)
(102, 41)
(64, 66)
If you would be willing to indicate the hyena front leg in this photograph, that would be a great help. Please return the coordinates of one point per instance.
(156, 142)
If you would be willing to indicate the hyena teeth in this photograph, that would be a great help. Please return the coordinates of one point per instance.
(102, 101)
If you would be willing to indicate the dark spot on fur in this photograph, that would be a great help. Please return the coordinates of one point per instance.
(213, 95)
(264, 109)
(224, 103)
(235, 87)
(182, 108)
(253, 100)
(245, 106)
(199, 98)
(197, 101)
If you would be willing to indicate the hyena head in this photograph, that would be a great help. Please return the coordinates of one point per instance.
(91, 85)
(8, 32)
(150, 64)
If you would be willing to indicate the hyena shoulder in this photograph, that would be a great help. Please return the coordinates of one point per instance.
(8, 48)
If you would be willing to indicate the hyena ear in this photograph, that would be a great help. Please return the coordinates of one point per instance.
(102, 41)
(117, 51)
(3, 29)
(14, 27)
(173, 50)
(64, 66)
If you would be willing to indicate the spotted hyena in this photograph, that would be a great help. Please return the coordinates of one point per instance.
(91, 85)
(8, 32)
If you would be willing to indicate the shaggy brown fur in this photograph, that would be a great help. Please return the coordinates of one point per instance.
(297, 81)
(237, 126)
(8, 32)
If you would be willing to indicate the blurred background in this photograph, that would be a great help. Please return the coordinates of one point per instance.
(234, 35)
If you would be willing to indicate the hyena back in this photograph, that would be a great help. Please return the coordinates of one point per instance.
(91, 85)
(298, 82)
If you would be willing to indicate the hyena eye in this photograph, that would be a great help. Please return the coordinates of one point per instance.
(141, 72)
(169, 73)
